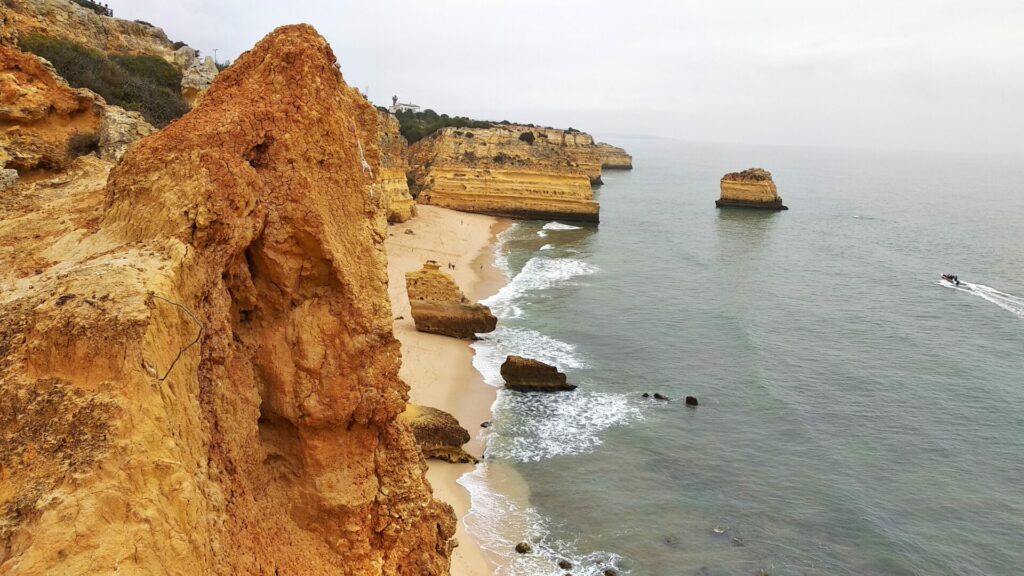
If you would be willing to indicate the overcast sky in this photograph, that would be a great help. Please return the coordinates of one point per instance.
(908, 74)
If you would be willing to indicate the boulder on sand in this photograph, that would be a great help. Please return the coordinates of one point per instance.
(528, 375)
(438, 433)
(438, 306)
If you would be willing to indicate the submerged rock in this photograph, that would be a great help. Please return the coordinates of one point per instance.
(528, 375)
(751, 188)
(691, 401)
(438, 433)
(438, 306)
(524, 548)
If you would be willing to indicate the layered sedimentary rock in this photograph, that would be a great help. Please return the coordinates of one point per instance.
(613, 157)
(197, 361)
(41, 117)
(439, 307)
(529, 375)
(392, 179)
(69, 21)
(514, 171)
(438, 433)
(751, 188)
(45, 124)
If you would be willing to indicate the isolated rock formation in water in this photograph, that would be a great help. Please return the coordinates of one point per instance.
(751, 188)
(439, 307)
(528, 375)
(393, 182)
(197, 361)
(513, 171)
(438, 433)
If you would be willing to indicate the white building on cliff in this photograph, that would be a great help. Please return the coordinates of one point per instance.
(397, 106)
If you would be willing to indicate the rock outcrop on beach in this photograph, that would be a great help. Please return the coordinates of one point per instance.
(196, 357)
(439, 307)
(197, 74)
(751, 188)
(510, 170)
(392, 179)
(438, 433)
(528, 375)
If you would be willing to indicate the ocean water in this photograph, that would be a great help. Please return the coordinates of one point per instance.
(856, 416)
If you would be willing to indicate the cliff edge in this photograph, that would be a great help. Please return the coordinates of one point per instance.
(197, 359)
(509, 170)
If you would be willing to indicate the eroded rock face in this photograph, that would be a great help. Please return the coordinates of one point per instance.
(69, 21)
(613, 157)
(41, 118)
(751, 188)
(392, 178)
(513, 171)
(197, 361)
(438, 433)
(439, 307)
(197, 74)
(528, 375)
(119, 129)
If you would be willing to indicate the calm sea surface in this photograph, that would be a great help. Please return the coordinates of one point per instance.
(855, 418)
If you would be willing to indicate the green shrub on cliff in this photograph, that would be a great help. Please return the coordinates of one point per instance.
(146, 84)
(415, 126)
(527, 137)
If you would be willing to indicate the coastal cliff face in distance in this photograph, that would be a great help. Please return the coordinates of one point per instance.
(751, 188)
(392, 178)
(513, 171)
(439, 307)
(613, 157)
(196, 357)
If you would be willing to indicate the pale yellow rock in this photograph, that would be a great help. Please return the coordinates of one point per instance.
(392, 180)
(751, 188)
(503, 172)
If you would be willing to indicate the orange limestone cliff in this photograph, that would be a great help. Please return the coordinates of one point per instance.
(392, 179)
(751, 188)
(510, 170)
(197, 363)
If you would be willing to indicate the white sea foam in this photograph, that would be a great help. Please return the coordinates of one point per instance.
(546, 425)
(499, 522)
(542, 233)
(559, 226)
(1008, 302)
(540, 273)
(547, 247)
(492, 349)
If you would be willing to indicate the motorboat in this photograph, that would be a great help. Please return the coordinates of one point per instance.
(951, 278)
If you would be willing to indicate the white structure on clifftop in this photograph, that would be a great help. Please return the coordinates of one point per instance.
(397, 106)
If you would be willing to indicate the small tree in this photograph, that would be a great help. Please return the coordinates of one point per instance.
(527, 137)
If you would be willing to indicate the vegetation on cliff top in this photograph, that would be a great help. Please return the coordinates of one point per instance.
(146, 84)
(415, 126)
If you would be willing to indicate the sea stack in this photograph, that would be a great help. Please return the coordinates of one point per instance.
(751, 188)
(438, 306)
(438, 433)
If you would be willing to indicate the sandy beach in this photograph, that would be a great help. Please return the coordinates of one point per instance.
(439, 369)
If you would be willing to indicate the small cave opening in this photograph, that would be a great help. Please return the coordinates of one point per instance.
(259, 155)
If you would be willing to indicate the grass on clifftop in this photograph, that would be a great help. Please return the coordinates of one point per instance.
(147, 84)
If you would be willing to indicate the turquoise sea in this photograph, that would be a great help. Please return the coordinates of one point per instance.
(856, 417)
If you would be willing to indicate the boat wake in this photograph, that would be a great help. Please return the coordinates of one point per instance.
(1008, 302)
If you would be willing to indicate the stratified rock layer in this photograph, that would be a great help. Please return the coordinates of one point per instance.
(392, 179)
(197, 362)
(514, 171)
(438, 433)
(41, 117)
(439, 307)
(528, 375)
(751, 188)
